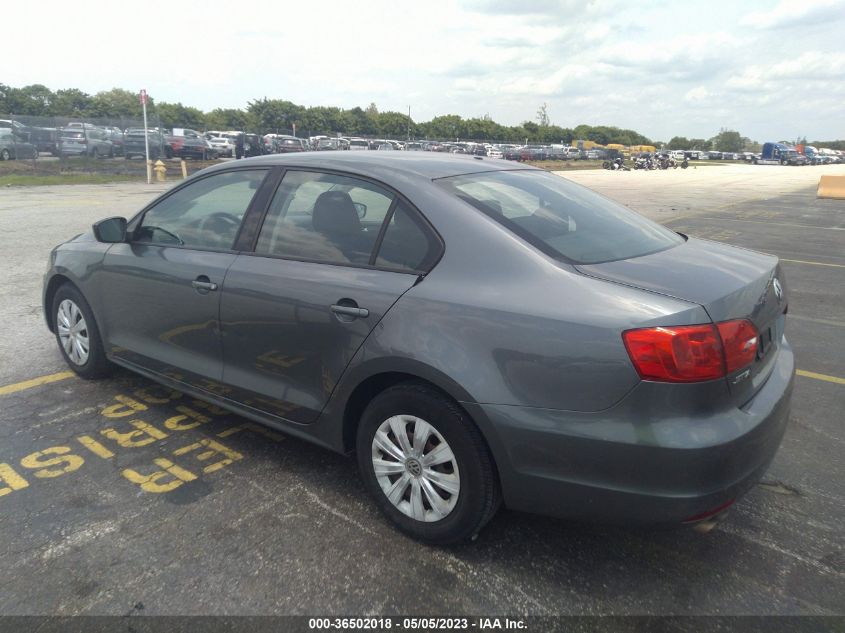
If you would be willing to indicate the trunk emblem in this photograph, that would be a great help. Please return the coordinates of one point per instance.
(778, 289)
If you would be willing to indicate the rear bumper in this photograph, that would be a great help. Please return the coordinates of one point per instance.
(630, 464)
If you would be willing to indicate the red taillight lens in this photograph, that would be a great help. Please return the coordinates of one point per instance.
(691, 353)
(676, 354)
(740, 341)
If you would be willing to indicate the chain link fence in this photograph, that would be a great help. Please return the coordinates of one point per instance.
(107, 147)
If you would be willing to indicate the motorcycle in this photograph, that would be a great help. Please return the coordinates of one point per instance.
(618, 164)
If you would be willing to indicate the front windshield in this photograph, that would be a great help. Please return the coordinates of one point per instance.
(562, 219)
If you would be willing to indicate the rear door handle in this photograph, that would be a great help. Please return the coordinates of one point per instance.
(350, 311)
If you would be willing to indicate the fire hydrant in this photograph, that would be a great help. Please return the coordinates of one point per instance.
(160, 170)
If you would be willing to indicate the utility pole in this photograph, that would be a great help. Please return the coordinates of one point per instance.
(409, 123)
(143, 98)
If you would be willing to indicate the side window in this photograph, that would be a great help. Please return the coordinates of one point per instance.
(205, 214)
(324, 217)
(407, 243)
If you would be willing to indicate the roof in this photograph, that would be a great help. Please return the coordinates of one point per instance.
(384, 165)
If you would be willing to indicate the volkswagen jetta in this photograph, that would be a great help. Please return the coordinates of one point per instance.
(476, 332)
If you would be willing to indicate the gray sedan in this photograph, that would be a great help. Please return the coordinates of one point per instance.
(13, 147)
(476, 333)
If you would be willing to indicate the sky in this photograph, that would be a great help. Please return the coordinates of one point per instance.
(771, 70)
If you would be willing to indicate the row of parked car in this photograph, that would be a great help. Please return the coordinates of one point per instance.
(85, 139)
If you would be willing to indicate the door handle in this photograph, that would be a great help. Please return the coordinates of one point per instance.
(204, 285)
(351, 311)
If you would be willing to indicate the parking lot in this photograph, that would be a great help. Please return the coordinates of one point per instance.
(121, 497)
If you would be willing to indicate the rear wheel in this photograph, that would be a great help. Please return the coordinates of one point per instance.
(77, 334)
(5, 155)
(426, 464)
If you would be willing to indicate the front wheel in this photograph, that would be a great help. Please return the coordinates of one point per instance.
(77, 334)
(426, 464)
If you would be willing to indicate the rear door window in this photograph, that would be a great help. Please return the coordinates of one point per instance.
(408, 244)
(324, 217)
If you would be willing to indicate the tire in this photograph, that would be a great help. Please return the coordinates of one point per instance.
(127, 156)
(68, 306)
(5, 155)
(466, 468)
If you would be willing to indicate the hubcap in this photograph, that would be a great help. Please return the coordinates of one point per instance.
(415, 468)
(73, 332)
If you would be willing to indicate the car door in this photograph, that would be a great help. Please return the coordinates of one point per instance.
(295, 311)
(160, 290)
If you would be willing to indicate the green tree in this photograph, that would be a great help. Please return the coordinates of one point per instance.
(227, 119)
(727, 141)
(701, 144)
(176, 115)
(117, 103)
(751, 146)
(449, 126)
(71, 103)
(274, 115)
(679, 142)
(393, 125)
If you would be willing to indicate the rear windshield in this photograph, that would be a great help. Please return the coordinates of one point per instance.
(560, 218)
(67, 134)
(290, 141)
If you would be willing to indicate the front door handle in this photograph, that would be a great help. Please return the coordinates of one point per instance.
(351, 311)
(203, 283)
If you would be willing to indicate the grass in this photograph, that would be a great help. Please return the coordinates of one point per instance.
(84, 171)
(35, 180)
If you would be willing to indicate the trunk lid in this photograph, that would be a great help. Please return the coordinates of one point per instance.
(727, 281)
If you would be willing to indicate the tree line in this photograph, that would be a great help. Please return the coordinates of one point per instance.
(278, 115)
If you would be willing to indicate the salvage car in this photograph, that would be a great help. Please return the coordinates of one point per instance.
(13, 147)
(135, 144)
(477, 333)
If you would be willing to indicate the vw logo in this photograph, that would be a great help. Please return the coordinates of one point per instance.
(413, 466)
(778, 289)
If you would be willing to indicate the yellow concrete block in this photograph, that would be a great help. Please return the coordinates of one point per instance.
(831, 187)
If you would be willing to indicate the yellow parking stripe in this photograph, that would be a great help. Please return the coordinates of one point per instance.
(825, 377)
(35, 382)
(801, 261)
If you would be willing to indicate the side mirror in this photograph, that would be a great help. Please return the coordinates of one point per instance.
(360, 209)
(110, 230)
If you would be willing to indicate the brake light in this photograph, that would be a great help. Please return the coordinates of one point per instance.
(692, 353)
(689, 353)
(740, 342)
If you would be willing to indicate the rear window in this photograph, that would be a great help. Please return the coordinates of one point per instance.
(73, 135)
(560, 218)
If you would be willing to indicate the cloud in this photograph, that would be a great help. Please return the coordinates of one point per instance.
(534, 7)
(699, 93)
(796, 13)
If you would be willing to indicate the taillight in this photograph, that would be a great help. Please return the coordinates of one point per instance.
(687, 353)
(740, 341)
(691, 353)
